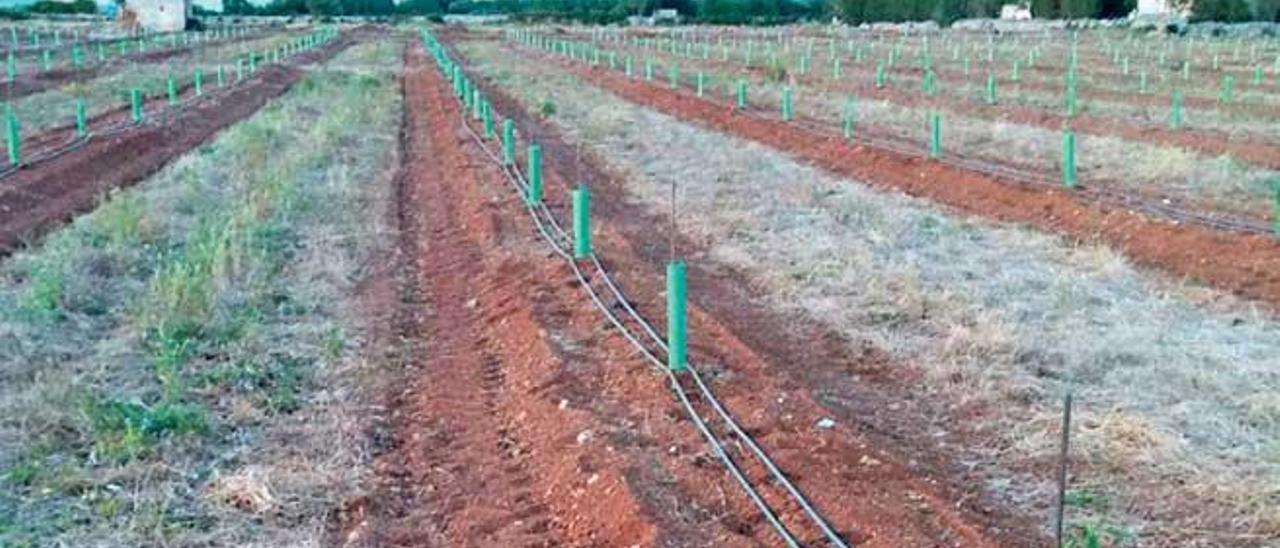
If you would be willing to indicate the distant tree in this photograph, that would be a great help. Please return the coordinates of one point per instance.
(982, 8)
(1078, 9)
(76, 6)
(1113, 9)
(1266, 10)
(323, 7)
(1221, 10)
(419, 7)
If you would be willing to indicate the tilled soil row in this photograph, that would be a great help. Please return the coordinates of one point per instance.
(38, 198)
(507, 313)
(1246, 265)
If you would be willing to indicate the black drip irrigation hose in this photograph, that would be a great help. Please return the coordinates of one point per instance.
(1157, 208)
(558, 239)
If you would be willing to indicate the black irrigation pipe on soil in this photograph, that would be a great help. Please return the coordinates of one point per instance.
(543, 218)
(1159, 208)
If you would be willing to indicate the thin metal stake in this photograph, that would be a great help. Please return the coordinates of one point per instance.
(1062, 469)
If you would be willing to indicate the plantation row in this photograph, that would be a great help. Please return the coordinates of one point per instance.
(171, 86)
(1249, 190)
(78, 55)
(1112, 77)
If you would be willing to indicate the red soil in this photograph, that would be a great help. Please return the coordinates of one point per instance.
(514, 370)
(1248, 266)
(38, 198)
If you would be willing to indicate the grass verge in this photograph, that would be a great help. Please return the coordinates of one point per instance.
(183, 366)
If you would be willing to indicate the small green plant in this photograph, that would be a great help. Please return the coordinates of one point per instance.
(548, 108)
(46, 288)
(24, 473)
(124, 431)
(1096, 534)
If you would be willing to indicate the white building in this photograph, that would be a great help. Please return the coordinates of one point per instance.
(157, 15)
(1016, 12)
(1164, 8)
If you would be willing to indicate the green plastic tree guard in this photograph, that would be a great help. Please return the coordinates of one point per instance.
(1069, 175)
(849, 119)
(135, 100)
(702, 83)
(82, 119)
(171, 86)
(742, 94)
(786, 104)
(992, 91)
(199, 82)
(581, 223)
(14, 131)
(1228, 89)
(535, 175)
(487, 111)
(880, 75)
(935, 136)
(222, 78)
(1275, 208)
(677, 320)
(673, 74)
(47, 60)
(1175, 114)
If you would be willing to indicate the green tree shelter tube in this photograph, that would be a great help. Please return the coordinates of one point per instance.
(82, 119)
(14, 131)
(677, 321)
(535, 175)
(581, 223)
(135, 100)
(1069, 175)
(508, 142)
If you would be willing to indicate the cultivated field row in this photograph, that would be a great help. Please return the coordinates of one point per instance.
(1209, 170)
(179, 365)
(989, 348)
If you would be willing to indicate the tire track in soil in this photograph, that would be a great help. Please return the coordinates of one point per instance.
(871, 494)
(1245, 265)
(37, 199)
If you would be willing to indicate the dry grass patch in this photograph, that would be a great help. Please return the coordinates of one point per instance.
(183, 365)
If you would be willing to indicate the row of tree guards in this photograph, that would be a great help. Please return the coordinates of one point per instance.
(80, 55)
(930, 81)
(481, 109)
(244, 67)
(963, 52)
(1070, 176)
(848, 115)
